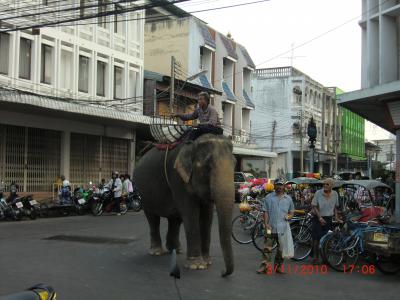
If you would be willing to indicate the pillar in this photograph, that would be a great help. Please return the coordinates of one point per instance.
(397, 187)
(132, 154)
(289, 165)
(65, 153)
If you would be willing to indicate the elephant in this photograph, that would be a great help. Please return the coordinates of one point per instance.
(183, 184)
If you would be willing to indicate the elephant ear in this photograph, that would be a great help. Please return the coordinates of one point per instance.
(184, 162)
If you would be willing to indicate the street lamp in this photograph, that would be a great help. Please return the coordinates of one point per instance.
(312, 138)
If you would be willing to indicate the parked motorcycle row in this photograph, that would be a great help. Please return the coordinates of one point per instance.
(80, 201)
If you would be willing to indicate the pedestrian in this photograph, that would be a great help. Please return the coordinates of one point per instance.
(102, 184)
(65, 192)
(325, 206)
(129, 183)
(115, 185)
(278, 209)
(124, 185)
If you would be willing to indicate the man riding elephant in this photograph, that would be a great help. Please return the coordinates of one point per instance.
(182, 185)
(207, 116)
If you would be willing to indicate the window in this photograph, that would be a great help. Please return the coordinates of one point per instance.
(101, 78)
(118, 91)
(66, 70)
(83, 82)
(132, 83)
(25, 56)
(4, 52)
(46, 65)
(118, 18)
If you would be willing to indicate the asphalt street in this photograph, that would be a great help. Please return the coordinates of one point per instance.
(106, 257)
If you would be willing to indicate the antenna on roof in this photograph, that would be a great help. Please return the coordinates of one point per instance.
(292, 57)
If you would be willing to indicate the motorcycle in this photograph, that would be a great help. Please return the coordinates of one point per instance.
(83, 199)
(31, 207)
(11, 210)
(103, 201)
(134, 201)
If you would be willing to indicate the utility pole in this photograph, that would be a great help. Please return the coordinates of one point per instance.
(154, 102)
(299, 92)
(172, 87)
(272, 146)
(301, 140)
(391, 157)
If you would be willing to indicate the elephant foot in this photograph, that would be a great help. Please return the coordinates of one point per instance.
(157, 251)
(196, 263)
(207, 260)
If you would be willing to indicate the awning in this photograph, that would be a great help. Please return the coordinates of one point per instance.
(35, 101)
(249, 103)
(379, 104)
(253, 152)
(228, 92)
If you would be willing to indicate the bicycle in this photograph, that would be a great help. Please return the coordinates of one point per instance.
(301, 234)
(343, 246)
(243, 224)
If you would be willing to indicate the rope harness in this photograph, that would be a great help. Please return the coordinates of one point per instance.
(165, 167)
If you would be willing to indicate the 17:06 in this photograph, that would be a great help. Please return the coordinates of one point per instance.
(363, 269)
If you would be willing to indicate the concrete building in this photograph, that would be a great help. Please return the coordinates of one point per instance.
(285, 100)
(225, 66)
(386, 153)
(379, 98)
(64, 95)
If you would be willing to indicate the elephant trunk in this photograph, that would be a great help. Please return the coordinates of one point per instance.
(222, 192)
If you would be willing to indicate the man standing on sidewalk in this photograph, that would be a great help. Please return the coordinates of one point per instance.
(278, 208)
(115, 185)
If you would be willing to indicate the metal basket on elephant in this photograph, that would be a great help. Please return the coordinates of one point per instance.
(167, 131)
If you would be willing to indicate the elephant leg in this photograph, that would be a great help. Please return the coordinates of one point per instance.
(174, 224)
(155, 237)
(206, 216)
(191, 221)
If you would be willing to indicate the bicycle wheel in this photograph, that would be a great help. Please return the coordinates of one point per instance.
(241, 228)
(389, 265)
(258, 237)
(302, 242)
(339, 256)
(97, 209)
(322, 243)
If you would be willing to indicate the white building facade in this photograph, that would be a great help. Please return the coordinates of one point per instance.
(70, 94)
(378, 100)
(387, 153)
(225, 66)
(286, 100)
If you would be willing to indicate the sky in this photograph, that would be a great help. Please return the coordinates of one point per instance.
(324, 33)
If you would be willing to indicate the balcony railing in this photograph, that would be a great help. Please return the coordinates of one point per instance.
(278, 72)
(243, 137)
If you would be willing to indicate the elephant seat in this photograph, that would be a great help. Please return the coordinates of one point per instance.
(170, 146)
